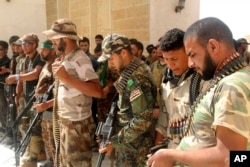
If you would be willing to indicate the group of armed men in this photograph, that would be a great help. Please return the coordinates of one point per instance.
(191, 97)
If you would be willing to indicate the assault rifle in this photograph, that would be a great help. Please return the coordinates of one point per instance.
(22, 147)
(24, 111)
(105, 130)
(162, 145)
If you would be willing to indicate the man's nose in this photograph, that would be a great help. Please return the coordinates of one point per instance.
(190, 63)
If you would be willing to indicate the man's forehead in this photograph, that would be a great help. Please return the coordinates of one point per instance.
(190, 45)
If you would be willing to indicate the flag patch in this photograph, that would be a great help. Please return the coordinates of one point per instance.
(136, 93)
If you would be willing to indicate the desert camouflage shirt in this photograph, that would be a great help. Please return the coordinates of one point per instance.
(73, 104)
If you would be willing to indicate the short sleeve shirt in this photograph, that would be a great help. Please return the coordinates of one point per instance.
(74, 105)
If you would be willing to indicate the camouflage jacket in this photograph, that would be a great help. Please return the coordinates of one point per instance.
(134, 117)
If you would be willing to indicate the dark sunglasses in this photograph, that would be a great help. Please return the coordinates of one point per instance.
(27, 43)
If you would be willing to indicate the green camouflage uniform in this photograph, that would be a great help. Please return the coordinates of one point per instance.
(134, 118)
(137, 95)
(225, 104)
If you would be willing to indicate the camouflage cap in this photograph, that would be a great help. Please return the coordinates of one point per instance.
(18, 42)
(30, 38)
(112, 43)
(62, 28)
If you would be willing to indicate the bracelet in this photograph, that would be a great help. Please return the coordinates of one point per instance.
(17, 77)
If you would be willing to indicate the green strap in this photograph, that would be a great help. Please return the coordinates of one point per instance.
(103, 74)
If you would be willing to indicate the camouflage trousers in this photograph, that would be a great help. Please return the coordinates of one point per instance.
(35, 146)
(48, 138)
(136, 158)
(76, 139)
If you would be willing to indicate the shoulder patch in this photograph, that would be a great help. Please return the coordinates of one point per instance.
(130, 82)
(136, 93)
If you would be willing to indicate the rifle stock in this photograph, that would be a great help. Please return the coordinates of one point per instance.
(104, 131)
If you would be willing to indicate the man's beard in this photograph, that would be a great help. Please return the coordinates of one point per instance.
(45, 58)
(209, 67)
(61, 45)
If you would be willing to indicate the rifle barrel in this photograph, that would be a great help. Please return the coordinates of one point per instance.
(100, 159)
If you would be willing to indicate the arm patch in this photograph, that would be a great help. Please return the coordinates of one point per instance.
(136, 93)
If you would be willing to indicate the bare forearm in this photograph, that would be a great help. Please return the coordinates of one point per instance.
(49, 103)
(210, 157)
(29, 76)
(19, 87)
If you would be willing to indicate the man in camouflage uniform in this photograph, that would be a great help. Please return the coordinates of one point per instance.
(16, 99)
(19, 98)
(157, 67)
(220, 118)
(135, 103)
(180, 87)
(76, 84)
(43, 91)
(26, 82)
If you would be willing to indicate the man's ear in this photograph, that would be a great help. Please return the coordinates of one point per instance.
(123, 52)
(213, 45)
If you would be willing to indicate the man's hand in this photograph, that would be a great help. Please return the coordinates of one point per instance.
(160, 159)
(105, 91)
(10, 79)
(40, 107)
(59, 70)
(107, 149)
(4, 70)
(156, 112)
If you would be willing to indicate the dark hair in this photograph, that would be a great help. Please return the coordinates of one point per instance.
(4, 44)
(99, 36)
(84, 39)
(137, 43)
(150, 48)
(128, 48)
(13, 38)
(133, 40)
(210, 28)
(172, 40)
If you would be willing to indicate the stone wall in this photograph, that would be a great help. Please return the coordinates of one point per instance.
(145, 20)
